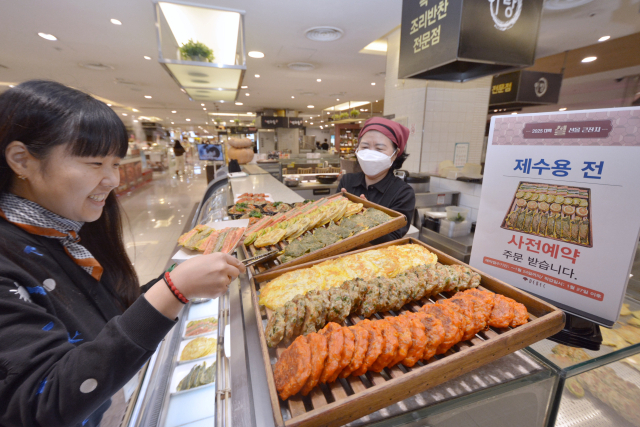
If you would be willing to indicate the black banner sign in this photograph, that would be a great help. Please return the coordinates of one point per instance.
(458, 40)
(522, 88)
(272, 122)
(296, 122)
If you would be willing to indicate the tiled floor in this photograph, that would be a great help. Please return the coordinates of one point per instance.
(156, 216)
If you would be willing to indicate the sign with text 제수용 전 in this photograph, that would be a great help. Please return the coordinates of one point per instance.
(559, 209)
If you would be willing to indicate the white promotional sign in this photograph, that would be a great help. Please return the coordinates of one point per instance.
(560, 207)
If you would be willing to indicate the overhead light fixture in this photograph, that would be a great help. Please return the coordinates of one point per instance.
(124, 114)
(174, 111)
(238, 103)
(563, 109)
(373, 83)
(246, 94)
(148, 58)
(108, 105)
(148, 96)
(311, 123)
(310, 106)
(318, 80)
(222, 30)
(256, 54)
(257, 76)
(222, 101)
(337, 99)
(323, 34)
(188, 120)
(321, 127)
(590, 59)
(292, 97)
(135, 121)
(244, 87)
(171, 122)
(48, 36)
(134, 110)
(604, 38)
(202, 105)
(204, 108)
(116, 22)
(376, 100)
(514, 113)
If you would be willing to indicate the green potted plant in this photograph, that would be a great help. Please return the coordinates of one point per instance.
(344, 115)
(354, 113)
(236, 121)
(335, 117)
(218, 120)
(196, 51)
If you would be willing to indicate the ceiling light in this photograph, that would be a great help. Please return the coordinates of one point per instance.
(514, 113)
(135, 121)
(174, 111)
(590, 59)
(238, 103)
(604, 38)
(244, 87)
(256, 54)
(171, 122)
(148, 96)
(221, 101)
(373, 84)
(47, 36)
(563, 109)
(202, 105)
(337, 100)
(301, 66)
(246, 94)
(310, 106)
(108, 105)
(321, 127)
(257, 76)
(311, 123)
(134, 110)
(376, 100)
(323, 34)
(292, 97)
(318, 80)
(116, 22)
(124, 114)
(204, 108)
(148, 58)
(188, 120)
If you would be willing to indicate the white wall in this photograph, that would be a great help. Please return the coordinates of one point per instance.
(438, 114)
(288, 139)
(267, 141)
(320, 134)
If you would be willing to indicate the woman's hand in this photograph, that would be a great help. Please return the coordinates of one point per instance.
(206, 276)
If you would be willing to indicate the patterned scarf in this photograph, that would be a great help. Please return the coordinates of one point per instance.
(35, 219)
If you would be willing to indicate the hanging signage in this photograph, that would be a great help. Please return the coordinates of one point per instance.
(459, 40)
(558, 212)
(296, 122)
(525, 88)
(242, 129)
(272, 122)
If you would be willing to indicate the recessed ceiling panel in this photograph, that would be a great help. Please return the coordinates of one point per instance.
(205, 77)
(200, 94)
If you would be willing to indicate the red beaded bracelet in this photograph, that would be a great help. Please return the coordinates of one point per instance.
(176, 292)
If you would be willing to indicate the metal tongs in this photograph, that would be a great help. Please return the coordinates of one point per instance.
(267, 256)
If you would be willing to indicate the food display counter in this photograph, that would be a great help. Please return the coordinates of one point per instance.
(524, 388)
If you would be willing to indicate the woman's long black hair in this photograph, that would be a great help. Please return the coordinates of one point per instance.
(44, 114)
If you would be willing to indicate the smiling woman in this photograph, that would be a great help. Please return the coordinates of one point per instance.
(74, 327)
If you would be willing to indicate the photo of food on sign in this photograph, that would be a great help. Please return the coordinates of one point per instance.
(556, 212)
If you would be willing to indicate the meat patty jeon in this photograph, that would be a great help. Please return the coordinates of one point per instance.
(333, 332)
(274, 332)
(318, 346)
(418, 338)
(390, 346)
(374, 348)
(404, 338)
(521, 315)
(348, 349)
(293, 368)
(452, 323)
(487, 299)
(434, 332)
(360, 350)
(479, 312)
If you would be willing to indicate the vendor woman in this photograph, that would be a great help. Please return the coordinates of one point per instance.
(75, 326)
(380, 151)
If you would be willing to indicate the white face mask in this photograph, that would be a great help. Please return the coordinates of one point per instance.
(373, 162)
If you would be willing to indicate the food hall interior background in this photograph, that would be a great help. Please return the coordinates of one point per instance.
(110, 50)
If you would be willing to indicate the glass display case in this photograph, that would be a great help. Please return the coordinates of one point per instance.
(598, 388)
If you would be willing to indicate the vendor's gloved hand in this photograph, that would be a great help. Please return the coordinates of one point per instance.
(206, 276)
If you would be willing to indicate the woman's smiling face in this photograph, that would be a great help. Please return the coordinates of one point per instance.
(71, 186)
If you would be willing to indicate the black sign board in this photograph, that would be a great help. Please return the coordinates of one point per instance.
(459, 40)
(243, 129)
(296, 122)
(271, 122)
(524, 88)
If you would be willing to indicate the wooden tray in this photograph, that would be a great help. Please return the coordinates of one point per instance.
(513, 207)
(348, 399)
(397, 222)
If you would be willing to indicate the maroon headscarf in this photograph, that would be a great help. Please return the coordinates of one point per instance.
(397, 133)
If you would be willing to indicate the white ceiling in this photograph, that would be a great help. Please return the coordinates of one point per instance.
(276, 28)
